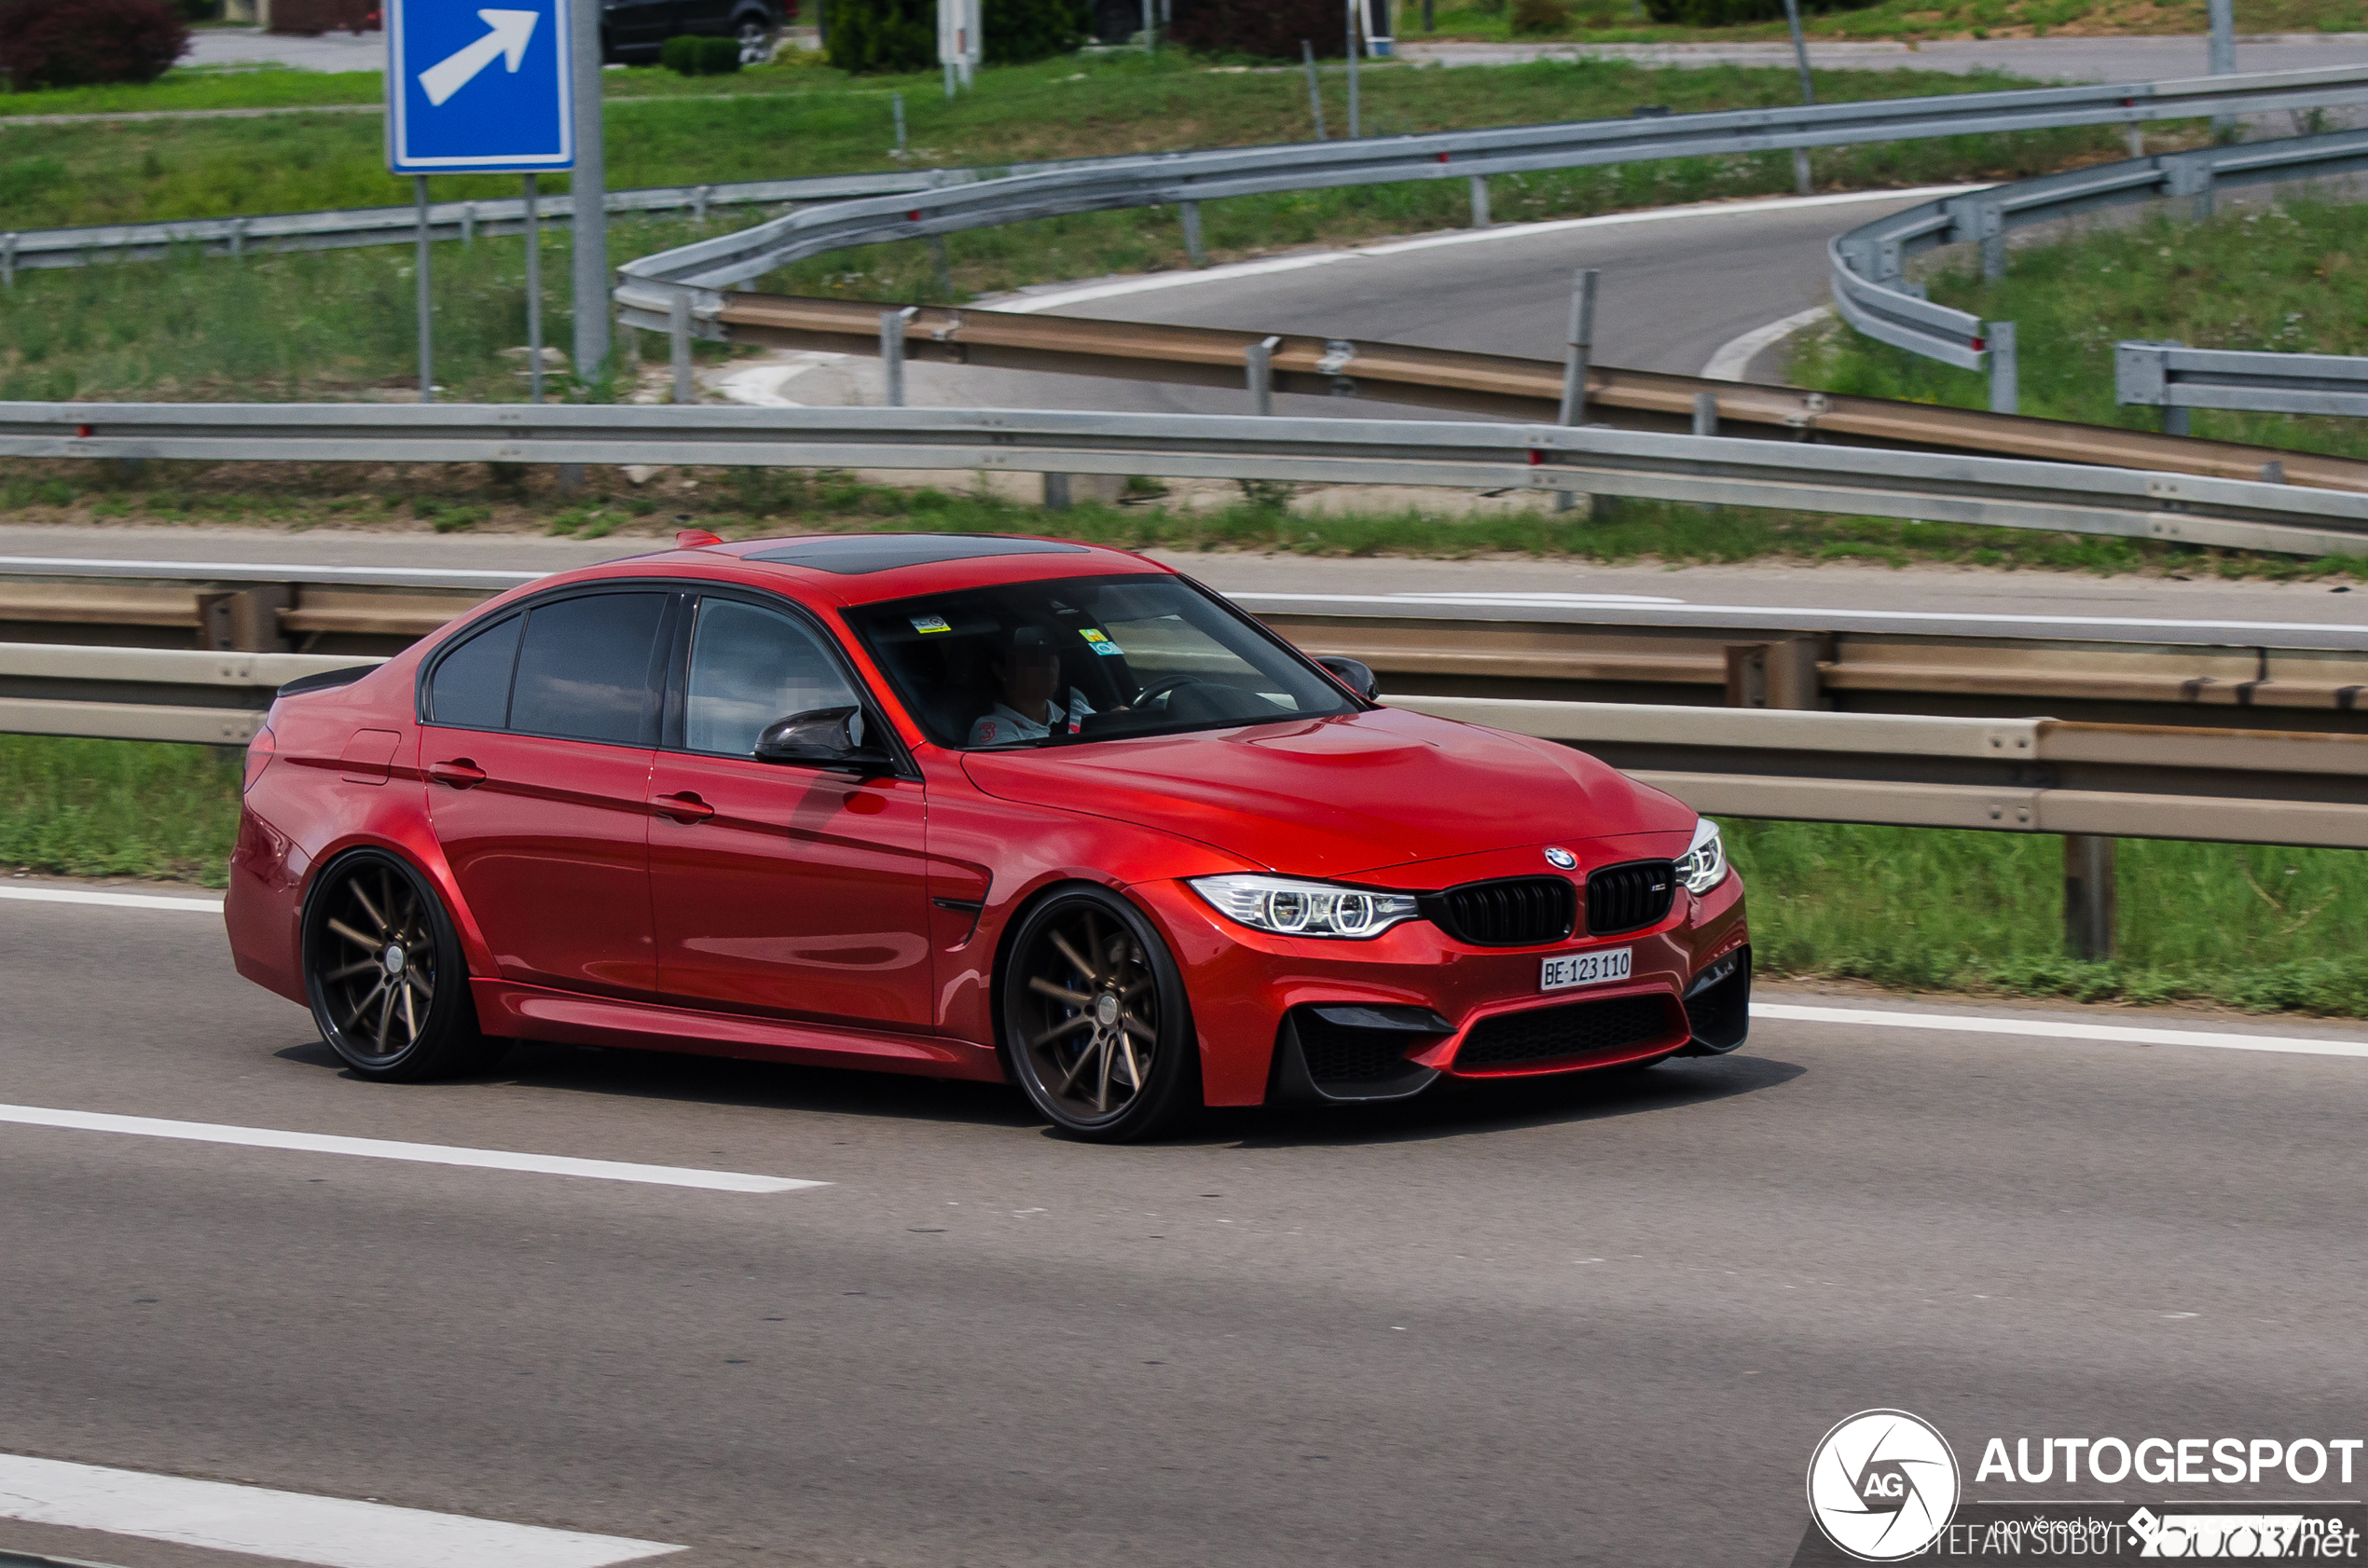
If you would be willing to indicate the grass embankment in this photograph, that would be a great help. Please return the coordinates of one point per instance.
(331, 324)
(2246, 925)
(822, 122)
(1911, 21)
(2287, 278)
(742, 503)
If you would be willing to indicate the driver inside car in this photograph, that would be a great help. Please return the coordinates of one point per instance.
(1026, 671)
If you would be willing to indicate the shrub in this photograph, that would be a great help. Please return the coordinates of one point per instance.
(1726, 13)
(869, 36)
(688, 56)
(1267, 28)
(1541, 15)
(76, 43)
(1019, 31)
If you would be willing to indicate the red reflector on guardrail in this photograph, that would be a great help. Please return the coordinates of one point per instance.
(1536, 457)
(915, 216)
(82, 430)
(1443, 158)
(1980, 343)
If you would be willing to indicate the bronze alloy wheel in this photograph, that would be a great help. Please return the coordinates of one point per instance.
(1095, 1019)
(384, 974)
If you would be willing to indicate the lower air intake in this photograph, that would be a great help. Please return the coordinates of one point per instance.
(1546, 1034)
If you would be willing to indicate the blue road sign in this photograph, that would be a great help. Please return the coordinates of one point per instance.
(478, 88)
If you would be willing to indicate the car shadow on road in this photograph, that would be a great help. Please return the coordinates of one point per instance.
(722, 1080)
(1460, 1109)
(1453, 1109)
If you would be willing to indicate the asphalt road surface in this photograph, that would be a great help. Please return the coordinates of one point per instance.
(1598, 1323)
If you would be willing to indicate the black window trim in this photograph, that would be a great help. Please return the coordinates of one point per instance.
(668, 618)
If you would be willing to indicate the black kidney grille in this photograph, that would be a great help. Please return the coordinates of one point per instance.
(1579, 1029)
(1629, 897)
(1517, 912)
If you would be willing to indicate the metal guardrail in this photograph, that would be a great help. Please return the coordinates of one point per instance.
(36, 248)
(1526, 647)
(1188, 178)
(1866, 265)
(2005, 774)
(1584, 461)
(1498, 385)
(2174, 377)
(2013, 774)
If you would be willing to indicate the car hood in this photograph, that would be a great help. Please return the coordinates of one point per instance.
(1333, 797)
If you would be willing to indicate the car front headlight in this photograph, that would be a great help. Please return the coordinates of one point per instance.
(1703, 866)
(1288, 906)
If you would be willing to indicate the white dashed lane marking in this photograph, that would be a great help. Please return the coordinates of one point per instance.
(383, 1148)
(334, 1531)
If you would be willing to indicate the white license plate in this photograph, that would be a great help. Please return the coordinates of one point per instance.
(1601, 967)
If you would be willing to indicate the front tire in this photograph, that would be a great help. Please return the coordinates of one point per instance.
(383, 971)
(1097, 1030)
(756, 39)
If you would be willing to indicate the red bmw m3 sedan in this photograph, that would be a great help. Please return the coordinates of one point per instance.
(981, 807)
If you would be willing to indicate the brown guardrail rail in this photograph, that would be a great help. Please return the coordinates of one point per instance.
(1500, 385)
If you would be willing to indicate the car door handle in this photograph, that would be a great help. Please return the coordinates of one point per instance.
(686, 807)
(461, 772)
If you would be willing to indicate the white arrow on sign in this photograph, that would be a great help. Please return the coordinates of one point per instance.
(457, 70)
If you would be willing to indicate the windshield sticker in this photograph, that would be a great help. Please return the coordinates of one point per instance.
(1098, 642)
(931, 623)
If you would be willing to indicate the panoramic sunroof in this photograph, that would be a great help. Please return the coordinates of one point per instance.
(852, 554)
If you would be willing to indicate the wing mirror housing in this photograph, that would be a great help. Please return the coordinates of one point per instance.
(826, 738)
(1355, 674)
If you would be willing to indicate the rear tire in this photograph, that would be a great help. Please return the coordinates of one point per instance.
(756, 37)
(1097, 1030)
(384, 974)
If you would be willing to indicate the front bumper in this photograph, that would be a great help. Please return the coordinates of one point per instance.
(1284, 1018)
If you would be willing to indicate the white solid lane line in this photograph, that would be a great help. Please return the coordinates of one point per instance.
(2050, 1028)
(383, 1148)
(115, 901)
(333, 1531)
(1157, 282)
(1735, 354)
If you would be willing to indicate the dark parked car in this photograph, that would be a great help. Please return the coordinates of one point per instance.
(633, 31)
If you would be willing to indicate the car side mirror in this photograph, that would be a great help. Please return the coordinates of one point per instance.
(1355, 674)
(830, 738)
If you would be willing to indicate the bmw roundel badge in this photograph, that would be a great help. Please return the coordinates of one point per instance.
(1560, 858)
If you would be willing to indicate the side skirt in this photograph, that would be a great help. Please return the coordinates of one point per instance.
(515, 1011)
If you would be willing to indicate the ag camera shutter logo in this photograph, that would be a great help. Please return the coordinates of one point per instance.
(1882, 1485)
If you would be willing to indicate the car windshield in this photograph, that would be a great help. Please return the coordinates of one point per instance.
(1084, 658)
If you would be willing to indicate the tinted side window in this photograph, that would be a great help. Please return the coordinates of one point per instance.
(751, 668)
(472, 684)
(584, 671)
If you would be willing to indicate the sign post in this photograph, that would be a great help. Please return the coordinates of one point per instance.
(476, 90)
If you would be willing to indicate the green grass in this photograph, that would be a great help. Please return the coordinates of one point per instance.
(1624, 20)
(2286, 278)
(2260, 928)
(142, 171)
(117, 807)
(2256, 927)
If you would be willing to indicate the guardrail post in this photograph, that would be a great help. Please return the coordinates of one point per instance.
(2273, 472)
(1992, 220)
(1705, 413)
(1781, 674)
(9, 260)
(2190, 176)
(700, 196)
(1191, 212)
(2090, 906)
(2223, 16)
(1580, 346)
(2004, 396)
(892, 325)
(1314, 92)
(246, 620)
(897, 101)
(238, 238)
(1258, 366)
(468, 224)
(678, 332)
(1480, 201)
(943, 262)
(1057, 492)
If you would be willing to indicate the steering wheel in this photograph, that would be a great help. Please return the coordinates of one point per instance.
(1162, 688)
